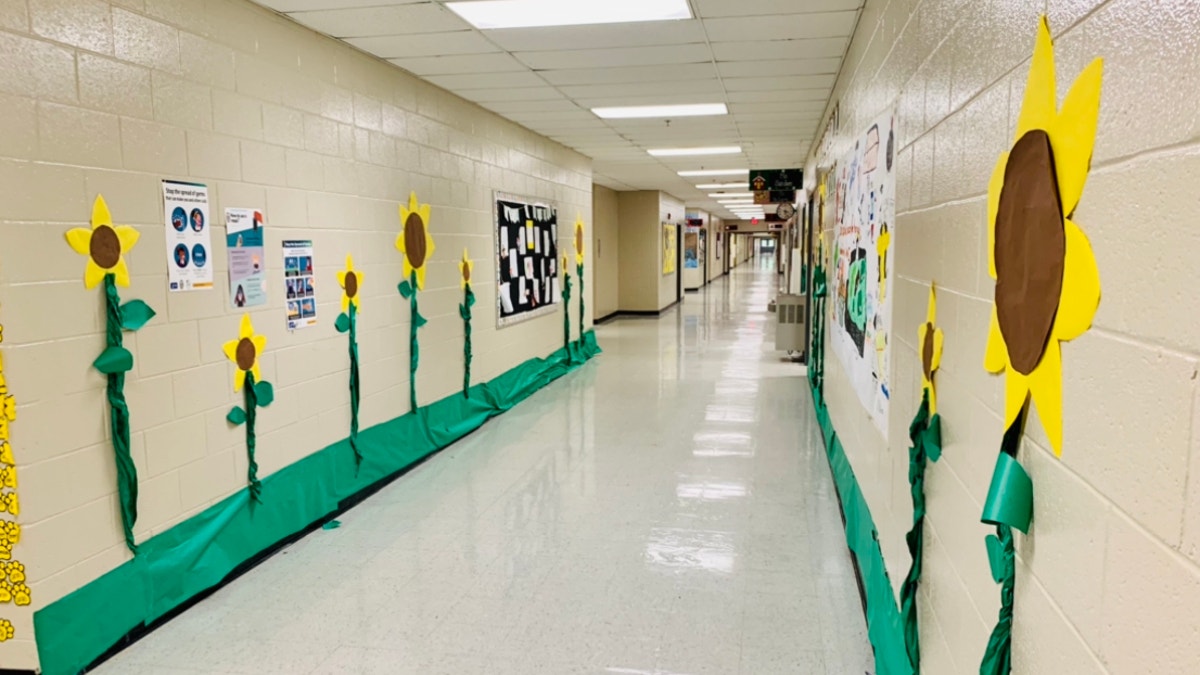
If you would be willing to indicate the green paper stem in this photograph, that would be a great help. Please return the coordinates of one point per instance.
(414, 349)
(355, 390)
(468, 301)
(127, 480)
(251, 397)
(997, 658)
(920, 432)
(566, 296)
(579, 272)
(1009, 504)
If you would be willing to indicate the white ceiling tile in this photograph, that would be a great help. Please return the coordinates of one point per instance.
(393, 20)
(460, 64)
(615, 58)
(431, 44)
(821, 66)
(645, 34)
(797, 107)
(782, 27)
(307, 5)
(506, 107)
(768, 116)
(617, 99)
(806, 95)
(667, 91)
(765, 50)
(821, 84)
(631, 74)
(486, 80)
(723, 8)
(545, 93)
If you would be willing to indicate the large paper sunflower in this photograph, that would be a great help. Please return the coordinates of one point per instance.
(350, 280)
(244, 353)
(465, 267)
(104, 244)
(1047, 283)
(579, 240)
(415, 241)
(930, 339)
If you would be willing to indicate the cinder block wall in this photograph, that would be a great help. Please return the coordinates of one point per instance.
(101, 96)
(1108, 580)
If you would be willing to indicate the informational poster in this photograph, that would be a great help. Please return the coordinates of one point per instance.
(189, 236)
(527, 264)
(865, 209)
(299, 284)
(669, 249)
(247, 268)
(691, 248)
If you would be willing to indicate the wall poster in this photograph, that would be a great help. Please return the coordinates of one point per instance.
(189, 236)
(691, 248)
(247, 268)
(527, 265)
(670, 252)
(301, 291)
(865, 211)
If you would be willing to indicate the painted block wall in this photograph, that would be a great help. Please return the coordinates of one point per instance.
(1108, 578)
(641, 214)
(605, 246)
(109, 97)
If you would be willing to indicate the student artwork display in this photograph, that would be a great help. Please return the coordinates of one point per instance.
(247, 262)
(1047, 291)
(350, 280)
(691, 248)
(465, 268)
(299, 283)
(527, 262)
(13, 588)
(189, 236)
(865, 206)
(925, 434)
(105, 245)
(247, 378)
(416, 245)
(669, 249)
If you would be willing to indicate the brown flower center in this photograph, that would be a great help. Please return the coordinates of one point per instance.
(466, 271)
(414, 240)
(246, 353)
(579, 240)
(105, 248)
(927, 352)
(351, 284)
(1030, 251)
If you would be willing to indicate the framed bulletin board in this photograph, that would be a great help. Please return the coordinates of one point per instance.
(527, 263)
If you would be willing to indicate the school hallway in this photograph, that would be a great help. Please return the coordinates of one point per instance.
(667, 510)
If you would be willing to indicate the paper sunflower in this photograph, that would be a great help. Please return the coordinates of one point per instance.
(465, 267)
(1047, 282)
(350, 280)
(579, 240)
(415, 241)
(104, 244)
(244, 353)
(930, 338)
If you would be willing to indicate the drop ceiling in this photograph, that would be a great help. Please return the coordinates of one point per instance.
(774, 62)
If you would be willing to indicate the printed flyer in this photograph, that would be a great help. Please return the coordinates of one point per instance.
(298, 279)
(189, 238)
(247, 271)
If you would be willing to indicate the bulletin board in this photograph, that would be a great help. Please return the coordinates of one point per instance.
(527, 263)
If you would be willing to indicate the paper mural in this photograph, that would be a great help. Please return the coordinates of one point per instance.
(247, 378)
(527, 260)
(415, 243)
(865, 208)
(189, 236)
(466, 267)
(350, 280)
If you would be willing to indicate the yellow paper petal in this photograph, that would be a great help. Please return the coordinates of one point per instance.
(80, 240)
(1038, 108)
(1016, 390)
(1081, 286)
(239, 377)
(256, 371)
(349, 262)
(230, 349)
(128, 236)
(995, 185)
(424, 211)
(247, 328)
(100, 214)
(921, 331)
(1074, 135)
(995, 358)
(260, 345)
(93, 274)
(345, 302)
(341, 277)
(420, 277)
(408, 268)
(400, 237)
(429, 246)
(121, 272)
(1045, 385)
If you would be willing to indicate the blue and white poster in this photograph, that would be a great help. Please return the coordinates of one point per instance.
(247, 265)
(189, 236)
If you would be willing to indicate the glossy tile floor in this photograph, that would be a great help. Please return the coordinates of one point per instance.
(665, 510)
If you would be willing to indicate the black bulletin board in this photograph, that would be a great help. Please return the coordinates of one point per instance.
(527, 263)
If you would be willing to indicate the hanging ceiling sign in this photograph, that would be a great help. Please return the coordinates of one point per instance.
(776, 186)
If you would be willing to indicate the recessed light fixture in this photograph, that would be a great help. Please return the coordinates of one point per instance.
(736, 202)
(730, 195)
(694, 152)
(716, 172)
(666, 111)
(720, 186)
(490, 14)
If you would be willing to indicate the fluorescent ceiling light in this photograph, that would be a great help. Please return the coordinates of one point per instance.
(720, 186)
(641, 111)
(489, 14)
(693, 152)
(736, 202)
(716, 172)
(730, 195)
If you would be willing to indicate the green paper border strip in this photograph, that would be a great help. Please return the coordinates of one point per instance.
(199, 553)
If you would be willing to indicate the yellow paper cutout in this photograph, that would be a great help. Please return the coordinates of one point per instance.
(579, 240)
(6, 455)
(8, 477)
(22, 596)
(411, 264)
(1072, 134)
(11, 503)
(530, 233)
(16, 572)
(10, 532)
(881, 248)
(935, 358)
(466, 268)
(244, 353)
(6, 592)
(7, 632)
(10, 408)
(349, 298)
(100, 240)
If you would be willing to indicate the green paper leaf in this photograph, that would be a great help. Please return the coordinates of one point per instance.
(1010, 497)
(406, 289)
(135, 314)
(265, 393)
(419, 320)
(236, 416)
(470, 298)
(995, 552)
(114, 360)
(332, 525)
(342, 324)
(932, 438)
(464, 313)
